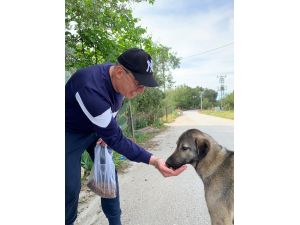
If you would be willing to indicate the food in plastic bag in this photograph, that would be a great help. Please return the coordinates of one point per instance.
(102, 179)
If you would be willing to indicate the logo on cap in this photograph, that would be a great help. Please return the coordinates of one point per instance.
(150, 65)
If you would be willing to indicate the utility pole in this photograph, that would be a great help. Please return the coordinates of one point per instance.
(131, 121)
(201, 94)
(221, 88)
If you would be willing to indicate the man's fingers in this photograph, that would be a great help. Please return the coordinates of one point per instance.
(180, 169)
(101, 142)
(167, 172)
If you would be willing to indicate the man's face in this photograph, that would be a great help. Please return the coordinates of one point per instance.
(128, 85)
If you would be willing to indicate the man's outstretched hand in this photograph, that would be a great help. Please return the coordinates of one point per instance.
(160, 164)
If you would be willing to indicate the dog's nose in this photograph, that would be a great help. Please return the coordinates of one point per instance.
(168, 163)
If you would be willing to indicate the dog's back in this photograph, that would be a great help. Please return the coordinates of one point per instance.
(219, 191)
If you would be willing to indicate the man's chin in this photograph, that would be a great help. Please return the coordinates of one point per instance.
(132, 95)
(129, 97)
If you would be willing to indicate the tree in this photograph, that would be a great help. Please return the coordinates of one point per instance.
(99, 31)
(164, 60)
(186, 97)
(148, 107)
(228, 101)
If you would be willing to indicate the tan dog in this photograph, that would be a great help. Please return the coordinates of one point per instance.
(214, 164)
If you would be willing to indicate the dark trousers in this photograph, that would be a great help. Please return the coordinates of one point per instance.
(76, 143)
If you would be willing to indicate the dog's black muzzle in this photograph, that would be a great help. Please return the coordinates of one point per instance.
(171, 164)
(168, 164)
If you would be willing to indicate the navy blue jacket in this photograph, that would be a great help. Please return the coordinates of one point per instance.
(91, 105)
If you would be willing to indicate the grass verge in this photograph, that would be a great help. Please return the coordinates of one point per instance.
(223, 114)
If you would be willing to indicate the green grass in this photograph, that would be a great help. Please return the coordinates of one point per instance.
(142, 137)
(86, 161)
(117, 161)
(223, 114)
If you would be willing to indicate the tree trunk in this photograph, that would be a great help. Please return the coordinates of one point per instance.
(96, 54)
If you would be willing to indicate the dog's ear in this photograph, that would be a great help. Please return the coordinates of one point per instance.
(203, 146)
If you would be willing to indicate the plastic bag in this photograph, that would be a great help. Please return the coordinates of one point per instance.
(102, 179)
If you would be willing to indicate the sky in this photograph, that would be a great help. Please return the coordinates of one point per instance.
(198, 31)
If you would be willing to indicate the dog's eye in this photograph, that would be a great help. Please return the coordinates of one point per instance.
(184, 148)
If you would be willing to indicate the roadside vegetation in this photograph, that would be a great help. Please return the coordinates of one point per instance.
(171, 116)
(223, 114)
(227, 108)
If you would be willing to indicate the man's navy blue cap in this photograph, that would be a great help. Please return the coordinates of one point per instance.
(140, 64)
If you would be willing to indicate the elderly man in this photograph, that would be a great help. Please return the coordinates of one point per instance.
(92, 99)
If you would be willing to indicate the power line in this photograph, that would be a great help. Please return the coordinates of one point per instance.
(207, 51)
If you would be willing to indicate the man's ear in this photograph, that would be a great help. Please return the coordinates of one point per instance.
(202, 146)
(118, 72)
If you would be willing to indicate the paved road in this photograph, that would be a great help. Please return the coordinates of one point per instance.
(147, 198)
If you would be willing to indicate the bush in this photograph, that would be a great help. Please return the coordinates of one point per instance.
(86, 161)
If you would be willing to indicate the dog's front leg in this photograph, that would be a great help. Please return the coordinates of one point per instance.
(217, 219)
